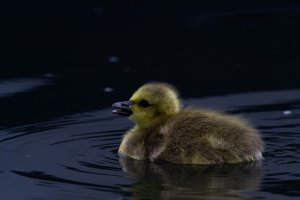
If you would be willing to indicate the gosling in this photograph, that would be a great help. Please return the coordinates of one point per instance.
(164, 131)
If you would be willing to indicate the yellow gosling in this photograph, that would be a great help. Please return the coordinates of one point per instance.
(164, 131)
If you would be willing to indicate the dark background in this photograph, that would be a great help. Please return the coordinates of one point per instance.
(202, 47)
(253, 43)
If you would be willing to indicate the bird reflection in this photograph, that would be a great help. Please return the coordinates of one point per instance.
(173, 181)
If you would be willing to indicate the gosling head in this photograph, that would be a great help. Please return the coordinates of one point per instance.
(151, 102)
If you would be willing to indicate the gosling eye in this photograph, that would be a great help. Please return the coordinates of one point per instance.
(144, 103)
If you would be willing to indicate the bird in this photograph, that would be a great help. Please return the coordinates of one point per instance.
(165, 131)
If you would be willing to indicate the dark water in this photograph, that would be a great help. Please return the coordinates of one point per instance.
(53, 148)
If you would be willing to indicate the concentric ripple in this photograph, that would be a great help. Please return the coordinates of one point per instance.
(75, 157)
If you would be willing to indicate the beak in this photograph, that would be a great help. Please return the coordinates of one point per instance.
(122, 108)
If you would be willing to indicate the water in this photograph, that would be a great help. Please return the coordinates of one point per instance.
(71, 153)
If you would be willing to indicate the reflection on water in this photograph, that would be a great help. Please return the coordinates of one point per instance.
(11, 87)
(74, 156)
(171, 181)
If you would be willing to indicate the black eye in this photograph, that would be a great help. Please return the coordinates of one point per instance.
(143, 103)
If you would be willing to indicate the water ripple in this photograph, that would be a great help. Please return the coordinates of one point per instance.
(76, 156)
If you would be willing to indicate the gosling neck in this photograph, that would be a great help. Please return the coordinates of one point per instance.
(149, 124)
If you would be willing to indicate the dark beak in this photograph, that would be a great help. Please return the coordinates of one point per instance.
(122, 108)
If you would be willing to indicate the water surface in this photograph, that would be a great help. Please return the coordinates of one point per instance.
(73, 155)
